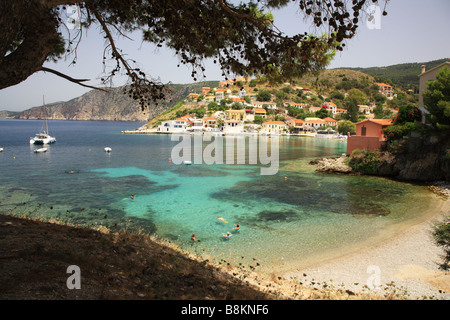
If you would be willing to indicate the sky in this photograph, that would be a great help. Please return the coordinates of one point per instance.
(413, 31)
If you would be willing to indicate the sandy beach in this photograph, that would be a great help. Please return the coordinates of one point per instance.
(407, 263)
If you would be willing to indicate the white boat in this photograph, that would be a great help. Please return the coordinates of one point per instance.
(43, 137)
(108, 149)
(187, 162)
(40, 150)
(1, 149)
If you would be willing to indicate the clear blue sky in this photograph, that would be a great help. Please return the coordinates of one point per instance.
(413, 31)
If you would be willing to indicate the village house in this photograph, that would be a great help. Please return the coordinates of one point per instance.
(331, 107)
(209, 122)
(260, 112)
(369, 135)
(173, 126)
(428, 76)
(314, 109)
(265, 105)
(386, 90)
(315, 123)
(296, 125)
(193, 95)
(340, 111)
(220, 94)
(238, 115)
(364, 109)
(298, 105)
(232, 126)
(273, 127)
(330, 121)
(205, 90)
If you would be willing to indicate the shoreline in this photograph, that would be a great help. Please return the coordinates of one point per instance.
(408, 262)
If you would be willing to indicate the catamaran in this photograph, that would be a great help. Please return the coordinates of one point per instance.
(43, 137)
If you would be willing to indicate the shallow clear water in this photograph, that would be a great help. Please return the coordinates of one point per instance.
(294, 216)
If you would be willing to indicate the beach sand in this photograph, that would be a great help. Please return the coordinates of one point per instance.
(408, 262)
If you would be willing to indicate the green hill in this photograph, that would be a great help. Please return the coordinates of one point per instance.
(404, 75)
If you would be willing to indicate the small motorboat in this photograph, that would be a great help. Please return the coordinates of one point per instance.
(187, 162)
(108, 149)
(40, 150)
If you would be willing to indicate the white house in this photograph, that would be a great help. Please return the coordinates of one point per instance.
(172, 126)
(233, 126)
(268, 105)
(315, 123)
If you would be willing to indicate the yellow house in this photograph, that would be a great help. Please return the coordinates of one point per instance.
(273, 127)
(235, 114)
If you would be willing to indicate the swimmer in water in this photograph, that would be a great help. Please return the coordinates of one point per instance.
(222, 219)
(132, 196)
(237, 227)
(193, 238)
(228, 235)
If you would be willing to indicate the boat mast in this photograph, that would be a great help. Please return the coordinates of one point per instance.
(45, 126)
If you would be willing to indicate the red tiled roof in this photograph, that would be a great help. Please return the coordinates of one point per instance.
(315, 121)
(383, 122)
(275, 122)
(259, 110)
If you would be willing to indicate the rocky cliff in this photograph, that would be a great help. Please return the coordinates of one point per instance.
(418, 158)
(113, 105)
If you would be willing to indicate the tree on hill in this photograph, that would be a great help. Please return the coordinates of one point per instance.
(241, 38)
(263, 95)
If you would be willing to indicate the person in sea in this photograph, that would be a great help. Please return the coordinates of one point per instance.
(193, 238)
(237, 227)
(228, 235)
(132, 196)
(222, 219)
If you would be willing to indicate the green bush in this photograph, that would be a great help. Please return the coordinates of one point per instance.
(407, 113)
(364, 161)
(398, 131)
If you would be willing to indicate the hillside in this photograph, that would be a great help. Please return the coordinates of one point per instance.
(405, 75)
(311, 91)
(110, 106)
(8, 114)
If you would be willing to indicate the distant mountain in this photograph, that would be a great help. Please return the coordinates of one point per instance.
(8, 114)
(405, 75)
(113, 105)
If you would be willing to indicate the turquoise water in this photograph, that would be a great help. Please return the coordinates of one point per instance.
(293, 217)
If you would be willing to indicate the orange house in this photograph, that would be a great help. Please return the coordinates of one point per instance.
(369, 135)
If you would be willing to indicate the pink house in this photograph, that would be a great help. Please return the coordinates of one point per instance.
(369, 135)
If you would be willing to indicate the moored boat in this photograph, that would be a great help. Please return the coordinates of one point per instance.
(40, 150)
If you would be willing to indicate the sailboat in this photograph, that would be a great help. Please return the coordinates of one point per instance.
(43, 137)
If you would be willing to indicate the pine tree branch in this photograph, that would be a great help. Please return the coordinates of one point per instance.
(77, 81)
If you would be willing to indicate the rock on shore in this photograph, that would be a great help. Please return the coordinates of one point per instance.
(335, 164)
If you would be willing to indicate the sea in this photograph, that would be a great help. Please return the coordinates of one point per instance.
(293, 218)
